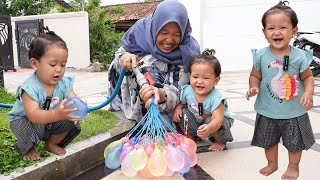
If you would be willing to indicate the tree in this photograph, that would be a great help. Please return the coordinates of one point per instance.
(4, 9)
(104, 41)
(26, 7)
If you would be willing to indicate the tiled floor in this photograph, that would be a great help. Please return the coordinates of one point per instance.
(240, 161)
(243, 161)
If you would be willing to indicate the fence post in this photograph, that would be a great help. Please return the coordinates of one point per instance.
(1, 73)
(1, 69)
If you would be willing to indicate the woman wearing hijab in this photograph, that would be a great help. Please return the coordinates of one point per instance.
(163, 46)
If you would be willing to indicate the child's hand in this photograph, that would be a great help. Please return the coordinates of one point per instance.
(204, 131)
(177, 114)
(63, 112)
(252, 92)
(307, 100)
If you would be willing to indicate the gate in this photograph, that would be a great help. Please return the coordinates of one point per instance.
(6, 52)
(26, 31)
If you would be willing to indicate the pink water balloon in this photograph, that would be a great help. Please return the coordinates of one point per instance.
(171, 138)
(175, 159)
(126, 167)
(127, 144)
(179, 138)
(168, 172)
(190, 152)
(194, 158)
(126, 139)
(190, 143)
(187, 162)
(149, 149)
(145, 172)
(125, 152)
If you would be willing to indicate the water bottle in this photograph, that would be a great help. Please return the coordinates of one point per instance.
(82, 108)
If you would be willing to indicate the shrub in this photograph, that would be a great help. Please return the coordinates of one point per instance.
(104, 40)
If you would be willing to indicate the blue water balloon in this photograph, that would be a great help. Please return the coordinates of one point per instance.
(82, 108)
(112, 161)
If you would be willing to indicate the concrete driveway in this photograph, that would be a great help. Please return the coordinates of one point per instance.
(240, 161)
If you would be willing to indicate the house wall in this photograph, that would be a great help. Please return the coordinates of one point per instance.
(195, 17)
(72, 27)
(233, 28)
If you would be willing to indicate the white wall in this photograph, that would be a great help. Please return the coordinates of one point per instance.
(194, 8)
(72, 27)
(233, 28)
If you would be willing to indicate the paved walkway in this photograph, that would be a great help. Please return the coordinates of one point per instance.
(91, 87)
(240, 161)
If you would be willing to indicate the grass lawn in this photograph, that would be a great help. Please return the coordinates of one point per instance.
(96, 122)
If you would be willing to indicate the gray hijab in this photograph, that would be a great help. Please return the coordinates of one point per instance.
(140, 39)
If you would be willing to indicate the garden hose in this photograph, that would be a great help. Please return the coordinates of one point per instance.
(112, 96)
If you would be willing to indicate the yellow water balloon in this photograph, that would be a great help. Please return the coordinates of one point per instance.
(157, 163)
(139, 159)
(112, 145)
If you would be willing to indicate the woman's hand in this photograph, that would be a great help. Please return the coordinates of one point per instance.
(148, 92)
(128, 60)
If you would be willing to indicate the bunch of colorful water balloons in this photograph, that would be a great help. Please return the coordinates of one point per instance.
(156, 150)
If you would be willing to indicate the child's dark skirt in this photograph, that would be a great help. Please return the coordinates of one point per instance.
(224, 132)
(296, 132)
(29, 135)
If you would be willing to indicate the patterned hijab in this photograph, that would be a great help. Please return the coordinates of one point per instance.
(140, 39)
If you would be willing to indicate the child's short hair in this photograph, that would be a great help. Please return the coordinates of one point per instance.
(40, 44)
(207, 57)
(282, 6)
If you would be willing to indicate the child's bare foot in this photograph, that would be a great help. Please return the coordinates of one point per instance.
(55, 149)
(269, 169)
(217, 146)
(292, 173)
(31, 155)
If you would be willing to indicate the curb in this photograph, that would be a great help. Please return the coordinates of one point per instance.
(81, 156)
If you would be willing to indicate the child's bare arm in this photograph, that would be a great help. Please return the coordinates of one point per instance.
(39, 116)
(216, 121)
(177, 112)
(254, 83)
(308, 83)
